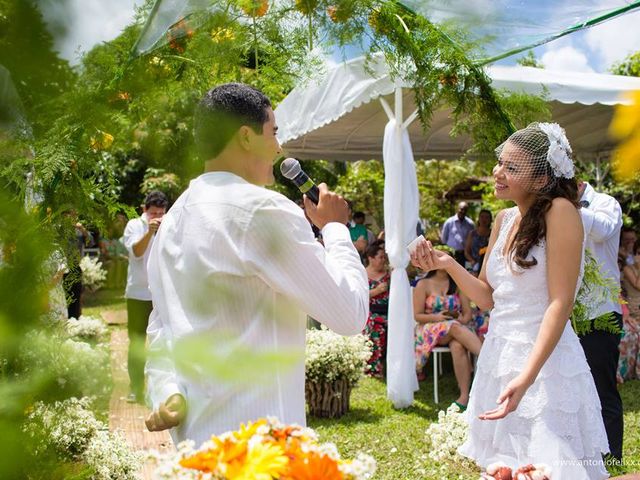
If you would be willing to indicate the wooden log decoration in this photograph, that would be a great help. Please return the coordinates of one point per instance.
(328, 399)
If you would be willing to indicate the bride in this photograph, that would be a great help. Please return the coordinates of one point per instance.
(533, 399)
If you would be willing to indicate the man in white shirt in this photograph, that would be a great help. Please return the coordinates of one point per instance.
(602, 219)
(233, 273)
(455, 231)
(138, 239)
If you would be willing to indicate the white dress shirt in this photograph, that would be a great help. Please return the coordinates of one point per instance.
(602, 221)
(455, 231)
(237, 268)
(137, 283)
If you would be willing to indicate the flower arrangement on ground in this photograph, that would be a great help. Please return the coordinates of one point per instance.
(93, 275)
(86, 328)
(262, 450)
(333, 366)
(69, 430)
(447, 434)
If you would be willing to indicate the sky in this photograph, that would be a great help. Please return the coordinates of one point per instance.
(89, 22)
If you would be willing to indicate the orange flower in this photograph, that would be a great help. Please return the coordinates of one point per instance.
(225, 452)
(255, 8)
(206, 461)
(315, 466)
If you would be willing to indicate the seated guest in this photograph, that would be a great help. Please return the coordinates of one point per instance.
(441, 313)
(376, 327)
(629, 362)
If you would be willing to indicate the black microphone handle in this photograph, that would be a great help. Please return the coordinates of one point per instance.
(307, 186)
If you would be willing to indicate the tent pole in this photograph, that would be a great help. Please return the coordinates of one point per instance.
(410, 119)
(387, 108)
(399, 112)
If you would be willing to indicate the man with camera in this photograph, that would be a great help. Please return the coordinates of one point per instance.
(138, 239)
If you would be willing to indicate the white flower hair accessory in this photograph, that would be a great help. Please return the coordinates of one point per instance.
(559, 150)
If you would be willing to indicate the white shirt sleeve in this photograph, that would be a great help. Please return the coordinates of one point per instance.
(329, 284)
(445, 232)
(133, 232)
(162, 381)
(602, 219)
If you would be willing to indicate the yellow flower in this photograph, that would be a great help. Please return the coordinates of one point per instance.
(249, 430)
(264, 461)
(625, 127)
(222, 34)
(626, 120)
(104, 141)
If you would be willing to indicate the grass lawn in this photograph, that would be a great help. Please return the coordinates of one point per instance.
(396, 438)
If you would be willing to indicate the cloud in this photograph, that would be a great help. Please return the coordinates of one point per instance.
(82, 24)
(565, 57)
(614, 40)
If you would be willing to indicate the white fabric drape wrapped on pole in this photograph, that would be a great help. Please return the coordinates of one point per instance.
(400, 218)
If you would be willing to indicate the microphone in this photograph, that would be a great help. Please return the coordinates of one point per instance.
(291, 169)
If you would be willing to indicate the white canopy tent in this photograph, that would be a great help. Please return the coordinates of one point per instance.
(337, 118)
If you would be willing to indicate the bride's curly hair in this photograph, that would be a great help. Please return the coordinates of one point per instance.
(534, 144)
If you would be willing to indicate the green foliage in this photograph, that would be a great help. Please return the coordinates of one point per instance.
(521, 108)
(529, 60)
(594, 290)
(435, 179)
(158, 179)
(630, 66)
(363, 184)
(26, 50)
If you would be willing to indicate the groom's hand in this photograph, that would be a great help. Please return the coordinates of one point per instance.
(331, 208)
(168, 415)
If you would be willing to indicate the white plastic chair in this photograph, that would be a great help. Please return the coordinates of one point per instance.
(436, 353)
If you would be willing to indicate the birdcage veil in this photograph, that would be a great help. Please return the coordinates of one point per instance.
(537, 156)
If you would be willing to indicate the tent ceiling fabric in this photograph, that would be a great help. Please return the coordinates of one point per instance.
(343, 119)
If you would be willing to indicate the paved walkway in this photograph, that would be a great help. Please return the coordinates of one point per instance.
(128, 417)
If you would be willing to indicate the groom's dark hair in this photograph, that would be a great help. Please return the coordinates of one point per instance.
(222, 111)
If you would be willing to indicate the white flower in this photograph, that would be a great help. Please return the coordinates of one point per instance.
(86, 327)
(93, 275)
(331, 357)
(559, 150)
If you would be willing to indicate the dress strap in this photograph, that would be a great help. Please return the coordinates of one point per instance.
(505, 228)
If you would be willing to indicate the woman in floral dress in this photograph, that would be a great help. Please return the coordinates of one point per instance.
(376, 327)
(441, 314)
(629, 363)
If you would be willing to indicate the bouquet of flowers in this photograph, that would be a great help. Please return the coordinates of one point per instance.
(93, 275)
(263, 450)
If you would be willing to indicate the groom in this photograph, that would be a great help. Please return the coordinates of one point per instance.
(602, 219)
(235, 269)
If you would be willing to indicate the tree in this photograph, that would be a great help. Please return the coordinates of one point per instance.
(529, 60)
(630, 66)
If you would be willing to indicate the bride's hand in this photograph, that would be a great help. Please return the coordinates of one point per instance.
(427, 258)
(508, 400)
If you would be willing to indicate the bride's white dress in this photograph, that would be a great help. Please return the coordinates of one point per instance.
(558, 421)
